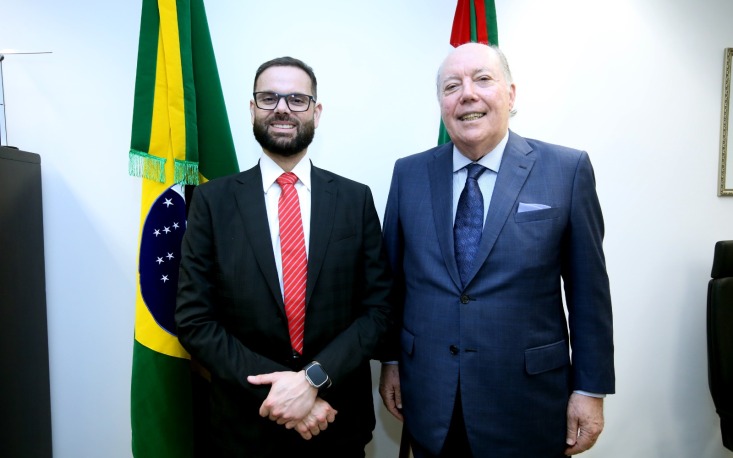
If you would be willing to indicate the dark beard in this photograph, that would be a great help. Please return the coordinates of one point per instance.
(280, 146)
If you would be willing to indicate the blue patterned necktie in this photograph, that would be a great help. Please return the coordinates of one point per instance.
(469, 221)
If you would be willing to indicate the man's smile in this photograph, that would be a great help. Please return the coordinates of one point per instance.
(283, 126)
(472, 116)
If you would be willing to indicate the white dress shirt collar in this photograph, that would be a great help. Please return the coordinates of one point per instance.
(491, 161)
(271, 171)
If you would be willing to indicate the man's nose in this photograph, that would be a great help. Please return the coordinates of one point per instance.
(468, 92)
(282, 106)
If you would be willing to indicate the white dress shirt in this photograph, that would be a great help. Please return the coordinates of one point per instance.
(270, 173)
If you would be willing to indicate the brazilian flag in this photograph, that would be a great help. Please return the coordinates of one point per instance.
(180, 136)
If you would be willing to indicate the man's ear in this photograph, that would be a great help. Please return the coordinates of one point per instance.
(317, 114)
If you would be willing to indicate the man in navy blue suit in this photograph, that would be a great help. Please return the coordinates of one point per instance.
(483, 233)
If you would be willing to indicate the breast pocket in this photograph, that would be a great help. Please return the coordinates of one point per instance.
(538, 215)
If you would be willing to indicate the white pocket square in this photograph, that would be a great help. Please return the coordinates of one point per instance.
(530, 207)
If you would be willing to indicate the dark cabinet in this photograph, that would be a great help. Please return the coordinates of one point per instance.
(25, 401)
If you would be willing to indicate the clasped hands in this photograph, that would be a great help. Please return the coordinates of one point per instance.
(294, 403)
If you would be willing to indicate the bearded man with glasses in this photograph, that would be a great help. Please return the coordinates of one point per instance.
(283, 288)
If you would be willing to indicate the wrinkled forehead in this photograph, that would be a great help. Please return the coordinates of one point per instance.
(469, 62)
(457, 73)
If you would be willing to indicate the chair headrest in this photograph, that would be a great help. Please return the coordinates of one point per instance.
(723, 259)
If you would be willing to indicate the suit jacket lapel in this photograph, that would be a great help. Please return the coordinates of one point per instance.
(323, 211)
(516, 164)
(440, 170)
(251, 204)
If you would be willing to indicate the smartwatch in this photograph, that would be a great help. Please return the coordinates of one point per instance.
(316, 376)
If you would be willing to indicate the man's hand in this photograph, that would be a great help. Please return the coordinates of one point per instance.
(585, 422)
(389, 389)
(291, 397)
(317, 419)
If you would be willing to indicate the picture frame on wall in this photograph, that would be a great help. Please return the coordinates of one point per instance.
(725, 170)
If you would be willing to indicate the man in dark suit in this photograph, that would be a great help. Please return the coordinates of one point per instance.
(282, 385)
(481, 233)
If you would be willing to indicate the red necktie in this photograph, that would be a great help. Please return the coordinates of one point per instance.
(295, 264)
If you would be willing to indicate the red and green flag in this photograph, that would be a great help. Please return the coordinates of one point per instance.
(180, 136)
(474, 22)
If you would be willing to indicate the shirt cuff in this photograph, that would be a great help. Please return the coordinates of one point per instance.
(592, 395)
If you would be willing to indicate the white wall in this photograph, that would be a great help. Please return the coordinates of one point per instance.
(637, 83)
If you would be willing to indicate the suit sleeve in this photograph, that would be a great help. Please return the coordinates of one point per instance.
(200, 331)
(394, 245)
(587, 289)
(361, 339)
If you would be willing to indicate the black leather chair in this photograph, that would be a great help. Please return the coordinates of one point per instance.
(720, 337)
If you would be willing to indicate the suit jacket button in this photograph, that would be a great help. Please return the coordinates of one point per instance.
(465, 299)
(453, 350)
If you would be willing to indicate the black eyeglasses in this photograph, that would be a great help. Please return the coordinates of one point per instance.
(295, 102)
